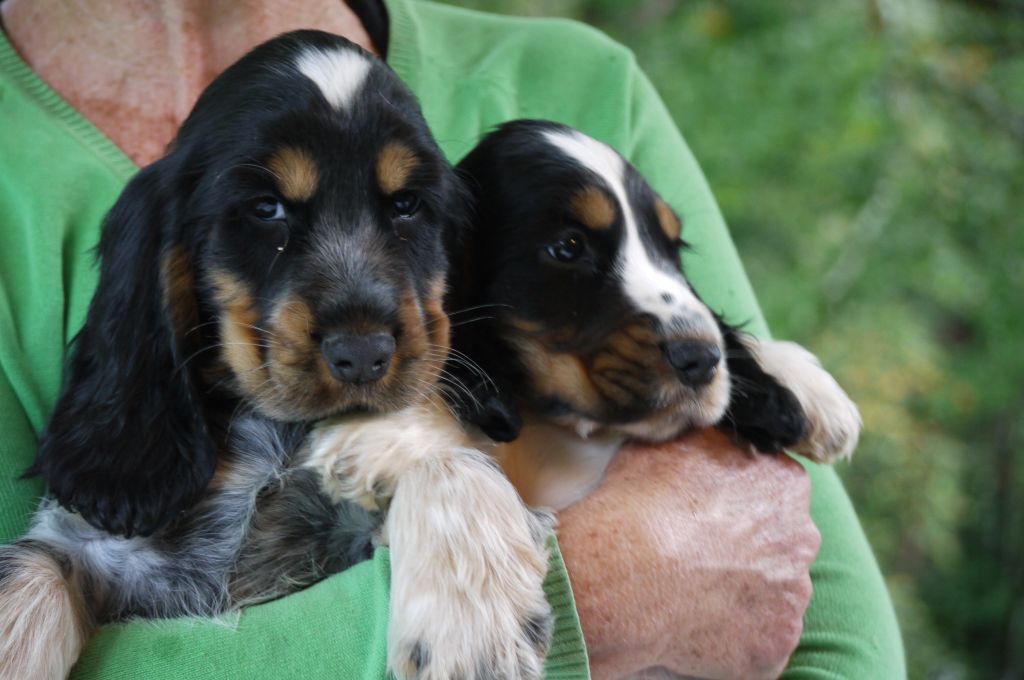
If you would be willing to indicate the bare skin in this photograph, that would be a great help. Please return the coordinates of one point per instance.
(692, 556)
(134, 68)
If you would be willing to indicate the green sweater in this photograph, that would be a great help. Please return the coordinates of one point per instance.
(59, 175)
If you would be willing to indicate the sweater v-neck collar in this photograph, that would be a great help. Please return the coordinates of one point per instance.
(402, 30)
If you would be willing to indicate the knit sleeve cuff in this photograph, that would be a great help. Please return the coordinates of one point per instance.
(567, 659)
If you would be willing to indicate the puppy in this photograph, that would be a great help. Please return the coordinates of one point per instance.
(284, 264)
(592, 331)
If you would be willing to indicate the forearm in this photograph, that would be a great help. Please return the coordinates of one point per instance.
(850, 628)
(692, 555)
(850, 625)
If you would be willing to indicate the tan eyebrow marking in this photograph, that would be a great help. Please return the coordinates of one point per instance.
(296, 173)
(593, 208)
(667, 219)
(395, 163)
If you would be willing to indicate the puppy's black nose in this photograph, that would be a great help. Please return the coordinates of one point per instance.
(358, 359)
(695, 362)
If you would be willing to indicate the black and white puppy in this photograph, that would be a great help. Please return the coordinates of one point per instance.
(284, 263)
(590, 324)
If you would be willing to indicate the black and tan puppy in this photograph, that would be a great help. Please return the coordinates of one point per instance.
(589, 323)
(284, 263)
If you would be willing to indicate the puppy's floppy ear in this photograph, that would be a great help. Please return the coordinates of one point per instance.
(478, 383)
(478, 401)
(479, 369)
(781, 397)
(127, 445)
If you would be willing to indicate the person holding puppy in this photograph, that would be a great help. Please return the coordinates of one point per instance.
(693, 556)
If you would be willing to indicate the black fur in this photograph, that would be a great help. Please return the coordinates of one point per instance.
(129, 444)
(521, 187)
(761, 411)
(142, 418)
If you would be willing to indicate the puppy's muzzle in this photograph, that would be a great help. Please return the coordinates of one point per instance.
(694, 361)
(358, 359)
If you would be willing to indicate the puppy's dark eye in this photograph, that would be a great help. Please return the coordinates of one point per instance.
(567, 249)
(267, 209)
(406, 203)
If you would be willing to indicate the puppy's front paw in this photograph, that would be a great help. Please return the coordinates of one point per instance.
(832, 421)
(468, 561)
(360, 458)
(472, 647)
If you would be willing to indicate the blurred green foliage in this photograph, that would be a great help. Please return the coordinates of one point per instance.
(869, 157)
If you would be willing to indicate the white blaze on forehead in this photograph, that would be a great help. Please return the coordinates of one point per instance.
(338, 73)
(653, 288)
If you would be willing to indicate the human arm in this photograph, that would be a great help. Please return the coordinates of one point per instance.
(705, 547)
(849, 629)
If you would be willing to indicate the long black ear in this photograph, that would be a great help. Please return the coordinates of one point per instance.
(478, 396)
(127, 445)
(761, 410)
(480, 368)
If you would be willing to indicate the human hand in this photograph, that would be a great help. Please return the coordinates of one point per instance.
(693, 556)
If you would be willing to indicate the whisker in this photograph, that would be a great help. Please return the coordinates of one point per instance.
(218, 345)
(473, 308)
(467, 322)
(460, 358)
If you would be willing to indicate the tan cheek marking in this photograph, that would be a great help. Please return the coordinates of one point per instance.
(395, 163)
(238, 316)
(296, 173)
(625, 371)
(295, 356)
(630, 368)
(179, 290)
(667, 219)
(291, 322)
(593, 208)
(415, 341)
(635, 346)
(438, 324)
(516, 325)
(425, 337)
(619, 387)
(559, 375)
(524, 326)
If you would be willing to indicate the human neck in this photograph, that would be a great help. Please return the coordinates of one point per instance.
(134, 68)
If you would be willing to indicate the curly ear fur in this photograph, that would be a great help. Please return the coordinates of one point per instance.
(127, 445)
(480, 382)
(482, 368)
(483, 404)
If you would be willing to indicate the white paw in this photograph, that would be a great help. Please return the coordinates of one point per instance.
(833, 421)
(360, 458)
(468, 561)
